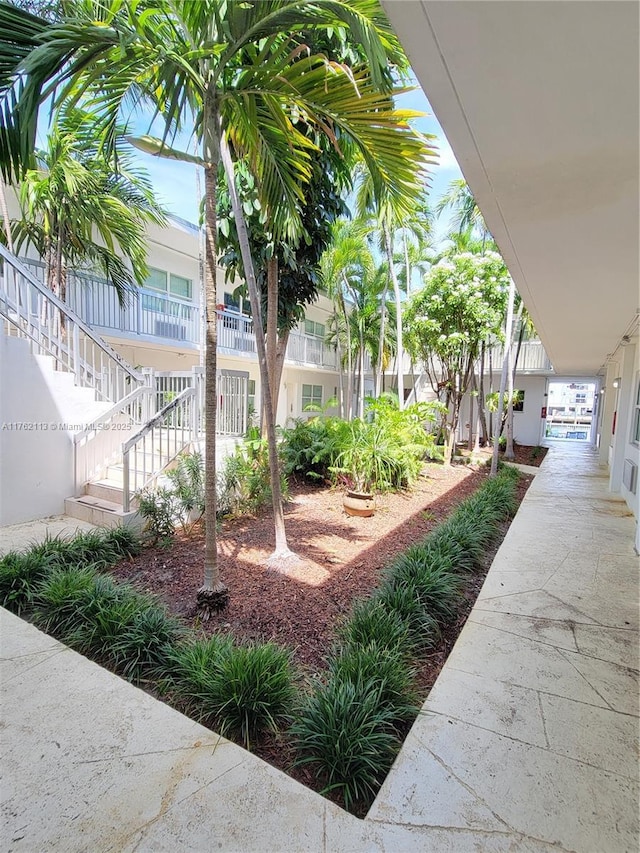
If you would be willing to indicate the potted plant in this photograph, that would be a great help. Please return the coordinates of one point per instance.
(356, 463)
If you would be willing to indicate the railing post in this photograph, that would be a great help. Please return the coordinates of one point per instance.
(126, 503)
(149, 407)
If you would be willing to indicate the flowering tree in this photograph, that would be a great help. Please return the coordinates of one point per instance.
(461, 305)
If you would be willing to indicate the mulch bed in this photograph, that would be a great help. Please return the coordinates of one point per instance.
(341, 560)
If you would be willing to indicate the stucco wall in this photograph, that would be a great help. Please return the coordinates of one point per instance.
(36, 465)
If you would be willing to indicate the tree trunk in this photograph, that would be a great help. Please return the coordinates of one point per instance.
(361, 394)
(482, 415)
(379, 369)
(509, 452)
(350, 383)
(213, 595)
(396, 293)
(271, 334)
(5, 217)
(503, 379)
(282, 557)
(281, 351)
(407, 265)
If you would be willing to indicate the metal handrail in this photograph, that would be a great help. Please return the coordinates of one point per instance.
(64, 310)
(183, 436)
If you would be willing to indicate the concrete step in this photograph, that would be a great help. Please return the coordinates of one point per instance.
(103, 513)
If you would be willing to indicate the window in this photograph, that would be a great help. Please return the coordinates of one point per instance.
(518, 402)
(251, 396)
(233, 302)
(635, 434)
(176, 285)
(311, 396)
(314, 329)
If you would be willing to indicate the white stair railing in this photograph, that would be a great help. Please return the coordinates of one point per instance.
(100, 444)
(158, 443)
(32, 311)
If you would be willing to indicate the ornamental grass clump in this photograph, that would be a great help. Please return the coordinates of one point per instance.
(370, 621)
(404, 603)
(387, 668)
(20, 575)
(243, 691)
(345, 731)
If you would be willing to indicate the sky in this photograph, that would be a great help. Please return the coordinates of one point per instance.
(175, 182)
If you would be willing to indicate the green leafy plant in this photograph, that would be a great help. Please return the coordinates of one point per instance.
(159, 507)
(345, 731)
(370, 621)
(381, 666)
(243, 690)
(20, 575)
(245, 483)
(187, 479)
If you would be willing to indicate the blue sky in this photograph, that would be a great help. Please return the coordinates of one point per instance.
(175, 182)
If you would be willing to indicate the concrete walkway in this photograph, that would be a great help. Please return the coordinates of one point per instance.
(528, 741)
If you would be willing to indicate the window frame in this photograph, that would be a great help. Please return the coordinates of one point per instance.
(311, 398)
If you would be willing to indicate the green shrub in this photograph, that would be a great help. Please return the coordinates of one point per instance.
(143, 645)
(20, 575)
(383, 667)
(245, 482)
(160, 508)
(58, 598)
(346, 732)
(371, 622)
(242, 690)
(310, 447)
(405, 603)
(110, 622)
(188, 481)
(125, 541)
(437, 588)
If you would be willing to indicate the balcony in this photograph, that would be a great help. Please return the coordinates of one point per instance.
(147, 313)
(532, 358)
(171, 320)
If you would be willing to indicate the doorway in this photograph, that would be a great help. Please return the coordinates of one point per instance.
(570, 410)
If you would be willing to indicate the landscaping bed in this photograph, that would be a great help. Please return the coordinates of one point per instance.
(361, 627)
(341, 559)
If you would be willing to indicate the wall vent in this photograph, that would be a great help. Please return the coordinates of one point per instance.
(630, 475)
(170, 330)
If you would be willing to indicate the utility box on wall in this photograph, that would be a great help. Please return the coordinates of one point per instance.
(630, 475)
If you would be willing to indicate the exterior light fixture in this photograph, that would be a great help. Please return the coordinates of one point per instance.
(616, 382)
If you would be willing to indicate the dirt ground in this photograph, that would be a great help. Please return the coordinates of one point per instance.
(341, 558)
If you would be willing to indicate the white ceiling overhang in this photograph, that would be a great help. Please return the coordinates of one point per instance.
(540, 103)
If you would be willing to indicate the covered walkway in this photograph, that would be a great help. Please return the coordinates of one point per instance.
(528, 740)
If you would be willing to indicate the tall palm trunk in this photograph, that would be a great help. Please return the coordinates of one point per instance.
(213, 595)
(503, 379)
(379, 367)
(396, 293)
(509, 452)
(482, 415)
(271, 335)
(350, 383)
(282, 556)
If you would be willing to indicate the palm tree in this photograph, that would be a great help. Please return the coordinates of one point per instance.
(78, 212)
(344, 262)
(466, 213)
(240, 75)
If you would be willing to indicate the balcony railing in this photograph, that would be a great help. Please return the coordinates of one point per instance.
(172, 320)
(532, 357)
(146, 312)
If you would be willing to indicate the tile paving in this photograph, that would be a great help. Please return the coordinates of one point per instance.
(527, 742)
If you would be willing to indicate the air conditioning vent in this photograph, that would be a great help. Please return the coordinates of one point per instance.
(170, 330)
(630, 475)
